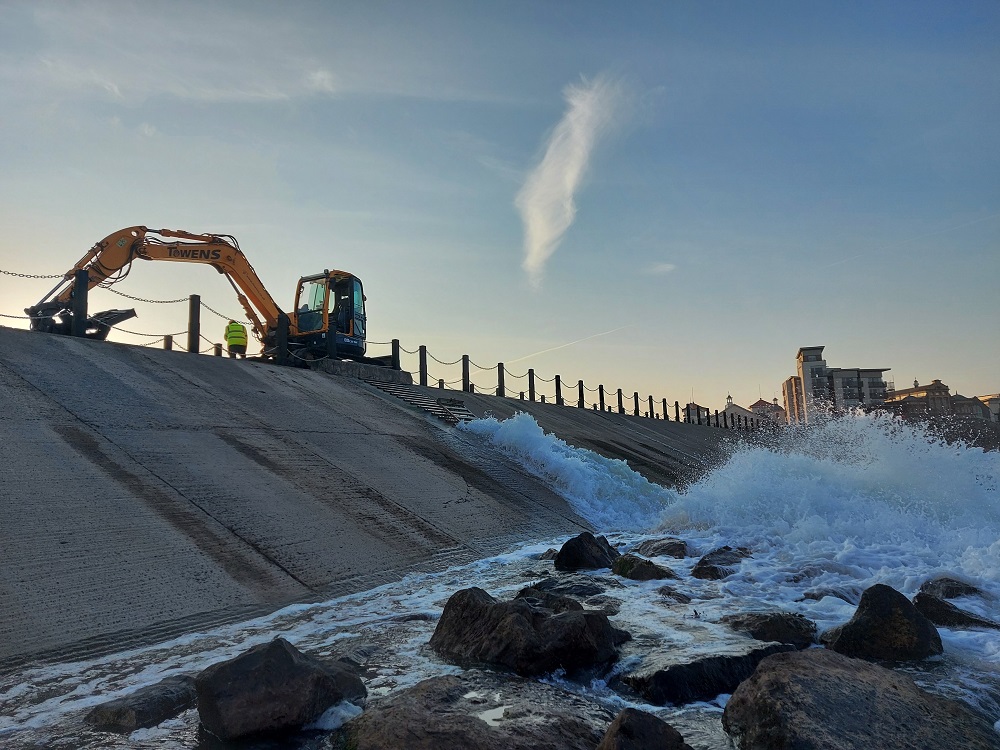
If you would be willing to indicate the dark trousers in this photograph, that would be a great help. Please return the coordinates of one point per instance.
(235, 349)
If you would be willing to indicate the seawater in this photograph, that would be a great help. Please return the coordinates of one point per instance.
(827, 512)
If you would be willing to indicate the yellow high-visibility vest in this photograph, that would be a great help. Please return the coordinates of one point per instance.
(236, 334)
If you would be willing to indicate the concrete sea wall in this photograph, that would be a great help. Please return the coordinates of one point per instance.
(145, 493)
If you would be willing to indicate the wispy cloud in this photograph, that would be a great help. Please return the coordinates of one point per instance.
(658, 269)
(546, 200)
(569, 343)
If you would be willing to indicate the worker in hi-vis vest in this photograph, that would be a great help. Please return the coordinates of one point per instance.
(236, 339)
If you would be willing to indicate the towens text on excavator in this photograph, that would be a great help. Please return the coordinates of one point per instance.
(328, 317)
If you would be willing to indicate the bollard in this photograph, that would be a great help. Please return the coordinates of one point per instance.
(559, 398)
(531, 384)
(501, 391)
(168, 343)
(194, 323)
(472, 387)
(677, 411)
(600, 391)
(441, 383)
(465, 373)
(217, 350)
(652, 412)
(725, 420)
(281, 339)
(580, 401)
(522, 395)
(395, 355)
(635, 404)
(81, 284)
(543, 398)
(687, 413)
(423, 365)
(716, 417)
(621, 403)
(666, 411)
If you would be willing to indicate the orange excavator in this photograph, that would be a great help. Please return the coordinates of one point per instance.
(328, 316)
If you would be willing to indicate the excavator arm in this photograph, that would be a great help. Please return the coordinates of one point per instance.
(109, 261)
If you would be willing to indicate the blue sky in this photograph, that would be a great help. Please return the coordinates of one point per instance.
(719, 183)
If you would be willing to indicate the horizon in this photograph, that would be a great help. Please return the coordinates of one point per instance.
(664, 198)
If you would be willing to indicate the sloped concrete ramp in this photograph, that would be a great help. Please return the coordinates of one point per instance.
(145, 493)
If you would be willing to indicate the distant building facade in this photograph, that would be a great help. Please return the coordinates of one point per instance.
(937, 400)
(992, 403)
(769, 410)
(736, 414)
(818, 389)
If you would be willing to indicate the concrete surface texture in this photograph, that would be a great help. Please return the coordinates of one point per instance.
(144, 493)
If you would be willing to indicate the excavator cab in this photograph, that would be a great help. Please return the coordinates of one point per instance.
(330, 304)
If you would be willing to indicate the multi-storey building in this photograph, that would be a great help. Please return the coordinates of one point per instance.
(820, 389)
(769, 410)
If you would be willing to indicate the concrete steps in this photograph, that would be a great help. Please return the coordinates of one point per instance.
(450, 410)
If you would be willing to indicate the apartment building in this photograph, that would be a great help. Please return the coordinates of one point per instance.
(817, 388)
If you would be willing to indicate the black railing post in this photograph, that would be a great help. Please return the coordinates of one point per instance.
(501, 390)
(217, 350)
(168, 342)
(666, 411)
(600, 392)
(635, 404)
(466, 380)
(423, 364)
(194, 323)
(716, 417)
(581, 402)
(441, 383)
(281, 339)
(559, 398)
(621, 402)
(396, 365)
(531, 384)
(698, 410)
(677, 411)
(652, 413)
(687, 413)
(81, 282)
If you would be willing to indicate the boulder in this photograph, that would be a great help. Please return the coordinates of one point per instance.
(669, 592)
(484, 711)
(944, 587)
(660, 680)
(885, 626)
(819, 700)
(271, 688)
(639, 569)
(549, 554)
(947, 615)
(719, 563)
(783, 627)
(585, 552)
(668, 547)
(146, 707)
(577, 585)
(849, 594)
(549, 600)
(638, 730)
(477, 630)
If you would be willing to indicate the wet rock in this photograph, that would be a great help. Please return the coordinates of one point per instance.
(580, 586)
(848, 594)
(639, 569)
(638, 730)
(146, 707)
(476, 629)
(668, 547)
(719, 563)
(549, 554)
(944, 587)
(669, 592)
(271, 688)
(549, 600)
(783, 627)
(817, 699)
(947, 615)
(605, 604)
(661, 681)
(585, 552)
(478, 710)
(885, 626)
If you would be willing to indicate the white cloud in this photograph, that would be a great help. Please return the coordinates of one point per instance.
(147, 130)
(661, 268)
(546, 200)
(322, 81)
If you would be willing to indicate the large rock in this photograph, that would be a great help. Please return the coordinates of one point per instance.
(522, 636)
(783, 627)
(819, 700)
(947, 615)
(944, 587)
(272, 687)
(668, 547)
(719, 563)
(661, 680)
(585, 552)
(478, 711)
(638, 730)
(639, 569)
(146, 707)
(885, 626)
(549, 600)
